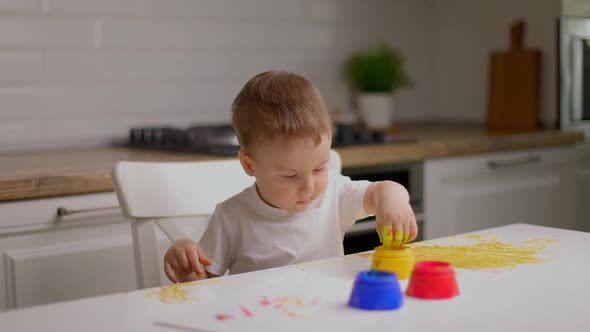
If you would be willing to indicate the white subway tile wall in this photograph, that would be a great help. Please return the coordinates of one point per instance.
(82, 72)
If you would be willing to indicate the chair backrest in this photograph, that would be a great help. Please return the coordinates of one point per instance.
(335, 162)
(151, 193)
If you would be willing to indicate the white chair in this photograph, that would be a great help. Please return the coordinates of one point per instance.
(150, 193)
(154, 193)
(335, 162)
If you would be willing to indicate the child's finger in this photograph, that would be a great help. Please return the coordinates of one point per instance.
(203, 258)
(387, 236)
(183, 261)
(406, 237)
(175, 266)
(193, 258)
(406, 233)
(170, 272)
(398, 237)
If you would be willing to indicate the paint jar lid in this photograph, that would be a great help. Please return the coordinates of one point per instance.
(376, 290)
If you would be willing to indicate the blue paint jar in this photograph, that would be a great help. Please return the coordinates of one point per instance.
(376, 290)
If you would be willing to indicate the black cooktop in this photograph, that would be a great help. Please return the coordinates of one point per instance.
(206, 139)
(222, 139)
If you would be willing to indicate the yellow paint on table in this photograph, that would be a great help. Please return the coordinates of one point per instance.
(487, 252)
(177, 293)
(171, 294)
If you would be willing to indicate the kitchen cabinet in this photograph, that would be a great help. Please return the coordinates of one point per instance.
(582, 187)
(463, 194)
(47, 258)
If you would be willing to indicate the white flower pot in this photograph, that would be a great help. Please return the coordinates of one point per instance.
(376, 109)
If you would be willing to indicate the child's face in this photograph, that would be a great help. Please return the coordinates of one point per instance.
(290, 174)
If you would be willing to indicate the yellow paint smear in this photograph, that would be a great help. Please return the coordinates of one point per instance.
(178, 294)
(171, 294)
(487, 252)
(294, 307)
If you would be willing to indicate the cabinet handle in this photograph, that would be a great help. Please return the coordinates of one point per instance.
(62, 211)
(493, 164)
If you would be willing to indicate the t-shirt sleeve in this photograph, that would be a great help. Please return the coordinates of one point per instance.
(351, 196)
(215, 243)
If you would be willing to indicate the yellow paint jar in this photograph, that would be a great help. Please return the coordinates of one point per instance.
(399, 261)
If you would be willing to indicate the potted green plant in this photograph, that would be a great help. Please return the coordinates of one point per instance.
(374, 75)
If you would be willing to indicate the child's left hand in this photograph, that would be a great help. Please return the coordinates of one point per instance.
(397, 230)
(396, 222)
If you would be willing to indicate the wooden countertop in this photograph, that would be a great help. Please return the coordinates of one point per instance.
(37, 174)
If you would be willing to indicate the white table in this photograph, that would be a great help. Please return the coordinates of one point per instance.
(549, 296)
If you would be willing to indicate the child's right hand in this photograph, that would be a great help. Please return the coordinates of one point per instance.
(183, 259)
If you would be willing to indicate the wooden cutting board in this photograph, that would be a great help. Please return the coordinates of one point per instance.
(514, 83)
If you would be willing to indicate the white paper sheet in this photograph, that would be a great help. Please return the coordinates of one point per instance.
(292, 300)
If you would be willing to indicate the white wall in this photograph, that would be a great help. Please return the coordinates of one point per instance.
(80, 72)
(411, 26)
(576, 8)
(466, 32)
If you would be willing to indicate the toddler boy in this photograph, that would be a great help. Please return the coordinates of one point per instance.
(297, 210)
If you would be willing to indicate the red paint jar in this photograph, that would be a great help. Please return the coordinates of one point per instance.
(432, 280)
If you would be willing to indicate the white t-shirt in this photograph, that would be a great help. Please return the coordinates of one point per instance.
(246, 234)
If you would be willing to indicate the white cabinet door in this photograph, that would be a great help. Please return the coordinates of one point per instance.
(464, 194)
(45, 258)
(67, 271)
(582, 185)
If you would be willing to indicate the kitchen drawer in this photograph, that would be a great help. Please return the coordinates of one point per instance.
(502, 162)
(39, 214)
(464, 194)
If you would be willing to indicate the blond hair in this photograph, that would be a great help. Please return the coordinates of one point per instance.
(279, 104)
